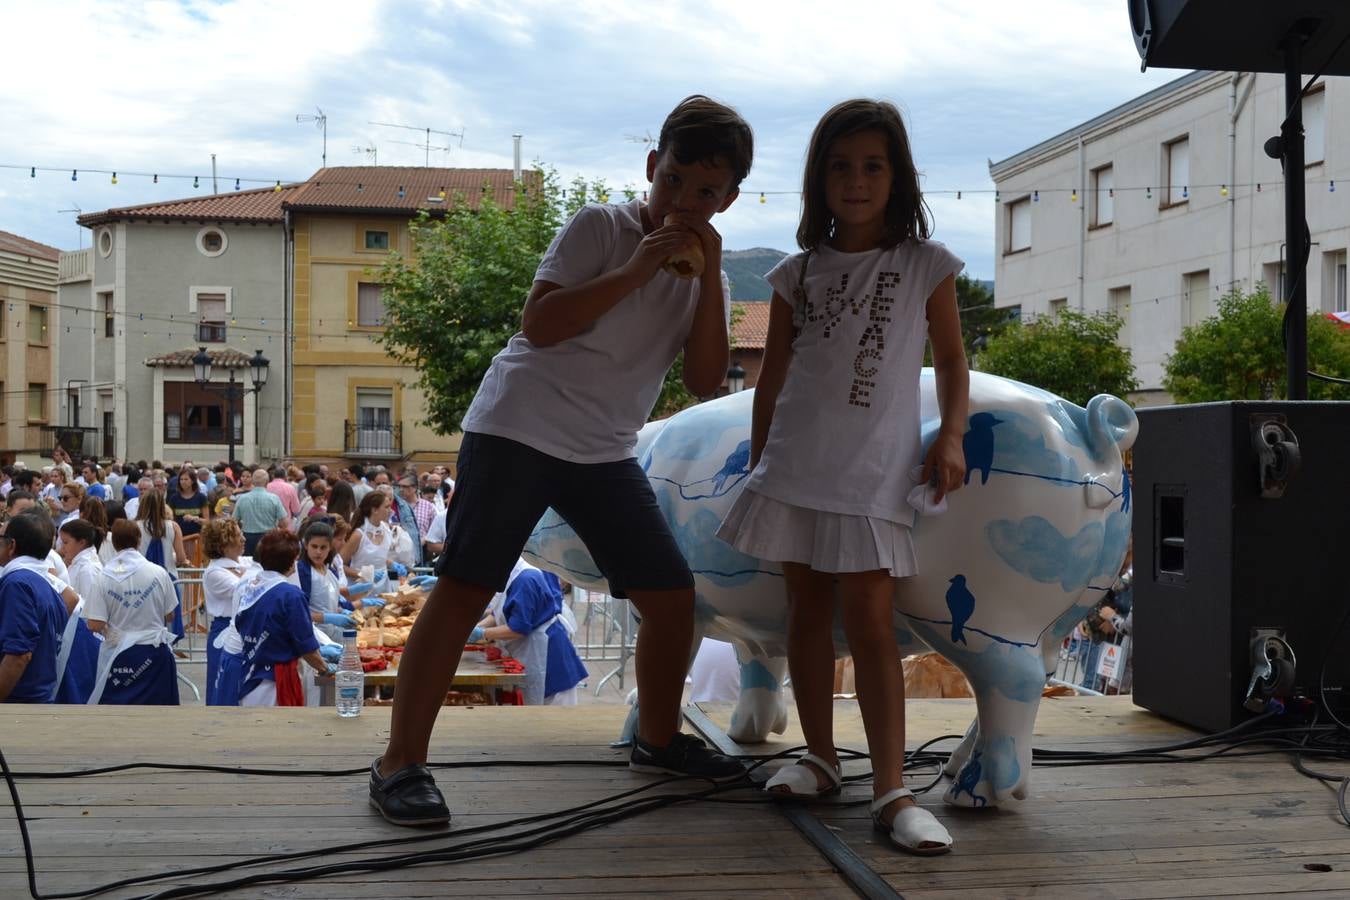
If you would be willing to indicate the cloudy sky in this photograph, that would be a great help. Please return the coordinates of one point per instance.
(160, 86)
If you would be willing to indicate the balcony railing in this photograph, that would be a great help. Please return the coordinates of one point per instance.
(75, 265)
(372, 440)
(74, 440)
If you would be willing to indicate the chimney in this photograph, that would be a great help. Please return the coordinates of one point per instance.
(515, 139)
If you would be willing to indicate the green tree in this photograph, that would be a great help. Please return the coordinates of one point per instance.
(1239, 354)
(456, 301)
(981, 321)
(1073, 354)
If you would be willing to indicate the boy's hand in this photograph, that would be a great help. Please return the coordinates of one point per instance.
(707, 236)
(654, 250)
(945, 465)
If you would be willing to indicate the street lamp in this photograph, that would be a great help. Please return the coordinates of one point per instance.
(201, 370)
(735, 378)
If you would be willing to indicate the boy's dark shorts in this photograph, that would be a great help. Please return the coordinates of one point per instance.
(503, 487)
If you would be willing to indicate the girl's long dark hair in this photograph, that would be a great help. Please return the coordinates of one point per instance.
(906, 215)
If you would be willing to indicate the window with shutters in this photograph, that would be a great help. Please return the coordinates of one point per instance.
(1196, 296)
(370, 305)
(1177, 171)
(1019, 225)
(1315, 126)
(211, 318)
(1103, 196)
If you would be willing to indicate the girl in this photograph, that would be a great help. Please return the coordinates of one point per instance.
(77, 664)
(131, 608)
(223, 545)
(839, 394)
(342, 501)
(188, 502)
(371, 541)
(316, 575)
(161, 543)
(275, 629)
(95, 512)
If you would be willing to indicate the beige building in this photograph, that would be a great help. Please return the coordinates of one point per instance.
(351, 400)
(28, 277)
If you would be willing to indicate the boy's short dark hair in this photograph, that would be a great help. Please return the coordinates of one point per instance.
(33, 535)
(700, 129)
(17, 494)
(23, 479)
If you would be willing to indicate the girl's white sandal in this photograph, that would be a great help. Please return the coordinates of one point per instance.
(912, 827)
(801, 782)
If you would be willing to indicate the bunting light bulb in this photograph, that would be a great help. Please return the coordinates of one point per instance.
(155, 180)
(1185, 192)
(761, 196)
(32, 173)
(236, 184)
(74, 175)
(194, 181)
(958, 195)
(1111, 192)
(1035, 196)
(1073, 196)
(360, 187)
(1223, 191)
(401, 192)
(278, 187)
(1148, 193)
(114, 178)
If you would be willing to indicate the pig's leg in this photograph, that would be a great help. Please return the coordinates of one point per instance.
(1007, 681)
(962, 751)
(761, 708)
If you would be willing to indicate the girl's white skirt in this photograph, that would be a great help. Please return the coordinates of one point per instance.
(771, 530)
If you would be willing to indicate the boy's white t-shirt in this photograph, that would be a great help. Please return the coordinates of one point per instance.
(584, 399)
(846, 432)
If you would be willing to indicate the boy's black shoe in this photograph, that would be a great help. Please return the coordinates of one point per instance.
(408, 797)
(684, 755)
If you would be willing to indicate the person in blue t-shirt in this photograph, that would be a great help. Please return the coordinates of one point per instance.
(32, 614)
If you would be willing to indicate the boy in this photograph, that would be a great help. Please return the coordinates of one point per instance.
(554, 424)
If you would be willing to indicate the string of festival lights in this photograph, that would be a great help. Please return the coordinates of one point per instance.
(116, 176)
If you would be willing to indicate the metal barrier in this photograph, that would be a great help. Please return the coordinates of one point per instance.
(1094, 668)
(606, 632)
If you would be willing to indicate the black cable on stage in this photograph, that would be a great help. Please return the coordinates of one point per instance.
(1311, 740)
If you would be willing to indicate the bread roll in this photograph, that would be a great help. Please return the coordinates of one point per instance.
(687, 262)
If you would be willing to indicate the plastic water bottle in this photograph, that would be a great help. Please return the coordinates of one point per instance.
(350, 678)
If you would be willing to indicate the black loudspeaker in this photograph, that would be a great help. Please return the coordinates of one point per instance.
(1241, 558)
(1240, 35)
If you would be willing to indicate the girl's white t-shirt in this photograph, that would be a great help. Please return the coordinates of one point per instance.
(846, 432)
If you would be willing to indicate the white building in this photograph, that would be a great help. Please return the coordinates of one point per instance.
(1155, 208)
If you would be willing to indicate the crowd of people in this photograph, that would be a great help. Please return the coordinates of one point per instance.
(90, 605)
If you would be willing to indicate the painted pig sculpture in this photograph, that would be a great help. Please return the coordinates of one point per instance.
(1020, 556)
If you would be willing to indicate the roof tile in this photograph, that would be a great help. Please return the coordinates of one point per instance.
(257, 205)
(16, 244)
(377, 188)
(752, 327)
(182, 359)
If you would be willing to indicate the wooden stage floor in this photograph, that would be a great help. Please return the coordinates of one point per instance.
(1226, 828)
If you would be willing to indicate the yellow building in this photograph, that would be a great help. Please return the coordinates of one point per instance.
(29, 410)
(350, 399)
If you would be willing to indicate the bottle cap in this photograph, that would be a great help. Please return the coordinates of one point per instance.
(349, 632)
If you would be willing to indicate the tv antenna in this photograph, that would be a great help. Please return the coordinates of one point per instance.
(425, 147)
(371, 153)
(75, 208)
(321, 122)
(427, 132)
(645, 139)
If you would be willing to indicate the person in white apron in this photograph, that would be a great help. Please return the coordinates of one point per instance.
(162, 543)
(133, 608)
(275, 629)
(78, 663)
(534, 626)
(330, 603)
(371, 543)
(32, 614)
(223, 545)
